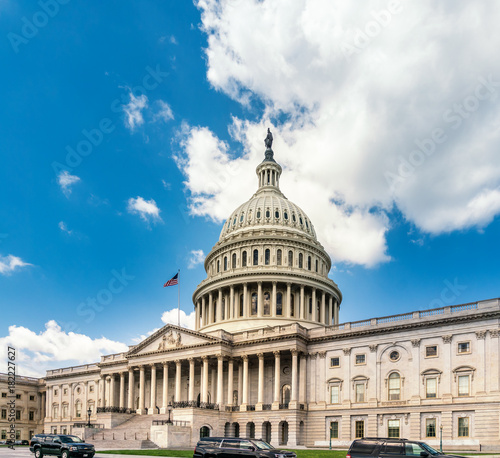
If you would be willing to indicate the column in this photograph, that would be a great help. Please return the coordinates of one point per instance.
(230, 375)
(330, 311)
(336, 313)
(219, 306)
(213, 381)
(164, 402)
(323, 307)
(142, 388)
(48, 402)
(288, 312)
(245, 301)
(152, 404)
(191, 380)
(220, 381)
(102, 388)
(122, 390)
(302, 381)
(240, 382)
(273, 301)
(177, 380)
(314, 306)
(277, 382)
(203, 312)
(260, 394)
(302, 308)
(294, 394)
(130, 403)
(312, 377)
(232, 313)
(71, 401)
(259, 299)
(321, 364)
(245, 380)
(204, 393)
(196, 315)
(210, 317)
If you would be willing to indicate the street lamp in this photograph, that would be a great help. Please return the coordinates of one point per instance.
(441, 438)
(331, 432)
(169, 408)
(89, 413)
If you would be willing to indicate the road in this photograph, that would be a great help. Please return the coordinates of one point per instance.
(24, 452)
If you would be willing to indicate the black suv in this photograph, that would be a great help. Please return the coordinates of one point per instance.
(392, 448)
(235, 447)
(61, 445)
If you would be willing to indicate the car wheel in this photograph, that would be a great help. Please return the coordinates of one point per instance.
(38, 453)
(65, 454)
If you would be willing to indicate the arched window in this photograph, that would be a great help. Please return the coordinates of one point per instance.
(277, 214)
(234, 261)
(278, 257)
(78, 409)
(244, 259)
(241, 305)
(285, 394)
(301, 260)
(267, 303)
(316, 265)
(268, 213)
(254, 304)
(251, 430)
(290, 258)
(310, 306)
(394, 387)
(318, 310)
(225, 263)
(204, 431)
(255, 257)
(267, 256)
(309, 263)
(279, 304)
(292, 304)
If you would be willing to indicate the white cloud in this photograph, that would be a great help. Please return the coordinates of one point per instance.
(146, 209)
(171, 317)
(35, 353)
(361, 94)
(133, 111)
(65, 181)
(64, 228)
(164, 112)
(139, 339)
(10, 263)
(196, 257)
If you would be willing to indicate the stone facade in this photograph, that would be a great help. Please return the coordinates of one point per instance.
(268, 357)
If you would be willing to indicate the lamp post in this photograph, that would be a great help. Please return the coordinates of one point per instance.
(331, 432)
(441, 438)
(169, 408)
(89, 413)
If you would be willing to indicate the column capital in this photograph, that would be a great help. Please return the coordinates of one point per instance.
(259, 283)
(220, 357)
(165, 363)
(244, 357)
(276, 353)
(177, 362)
(191, 359)
(275, 283)
(313, 355)
(322, 354)
(260, 355)
(205, 358)
(152, 365)
(141, 367)
(295, 352)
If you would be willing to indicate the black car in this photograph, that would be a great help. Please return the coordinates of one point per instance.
(235, 447)
(62, 445)
(392, 448)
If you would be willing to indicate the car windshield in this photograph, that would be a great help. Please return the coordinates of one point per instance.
(261, 445)
(430, 449)
(70, 439)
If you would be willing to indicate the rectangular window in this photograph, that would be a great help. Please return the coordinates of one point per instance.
(359, 429)
(4, 395)
(18, 434)
(393, 428)
(91, 388)
(463, 385)
(334, 429)
(334, 394)
(335, 362)
(463, 427)
(65, 391)
(430, 388)
(18, 414)
(18, 396)
(4, 414)
(431, 351)
(430, 427)
(464, 347)
(32, 398)
(360, 392)
(56, 392)
(31, 415)
(360, 359)
(4, 434)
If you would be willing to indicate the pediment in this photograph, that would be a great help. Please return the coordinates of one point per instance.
(170, 338)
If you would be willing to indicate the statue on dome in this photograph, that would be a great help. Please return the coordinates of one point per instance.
(269, 139)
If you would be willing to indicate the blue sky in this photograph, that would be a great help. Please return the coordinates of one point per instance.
(130, 130)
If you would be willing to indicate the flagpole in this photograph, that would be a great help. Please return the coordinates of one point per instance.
(179, 297)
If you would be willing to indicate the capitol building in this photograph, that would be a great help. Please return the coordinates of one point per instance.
(269, 357)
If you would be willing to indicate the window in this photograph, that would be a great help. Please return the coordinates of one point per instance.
(234, 261)
(56, 392)
(294, 218)
(290, 258)
(463, 385)
(4, 395)
(258, 213)
(225, 263)
(279, 304)
(244, 259)
(91, 388)
(430, 427)
(286, 392)
(430, 388)
(18, 396)
(277, 214)
(431, 351)
(316, 265)
(335, 394)
(55, 411)
(254, 304)
(335, 362)
(255, 257)
(267, 303)
(394, 355)
(310, 306)
(309, 263)
(267, 257)
(285, 215)
(4, 434)
(78, 409)
(4, 414)
(334, 429)
(268, 213)
(359, 428)
(292, 305)
(301, 260)
(18, 414)
(392, 448)
(241, 304)
(394, 387)
(278, 257)
(393, 428)
(218, 266)
(32, 398)
(360, 392)
(31, 415)
(18, 434)
(464, 347)
(65, 410)
(463, 427)
(65, 391)
(361, 359)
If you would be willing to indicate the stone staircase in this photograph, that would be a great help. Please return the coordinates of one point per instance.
(132, 434)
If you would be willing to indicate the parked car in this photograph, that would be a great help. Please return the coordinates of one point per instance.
(62, 445)
(235, 447)
(393, 448)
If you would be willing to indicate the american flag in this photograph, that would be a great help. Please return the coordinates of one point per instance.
(173, 281)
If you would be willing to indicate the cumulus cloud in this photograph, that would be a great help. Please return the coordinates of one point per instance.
(196, 257)
(379, 108)
(164, 112)
(10, 263)
(133, 111)
(66, 181)
(146, 209)
(64, 228)
(171, 317)
(35, 353)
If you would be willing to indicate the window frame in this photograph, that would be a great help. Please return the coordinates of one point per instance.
(389, 427)
(361, 424)
(469, 347)
(392, 376)
(362, 363)
(428, 421)
(431, 356)
(332, 429)
(331, 361)
(467, 426)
